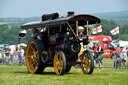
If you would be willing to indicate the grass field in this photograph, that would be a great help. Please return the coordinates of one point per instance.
(18, 75)
(2, 23)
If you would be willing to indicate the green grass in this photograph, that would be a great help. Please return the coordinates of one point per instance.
(2, 23)
(18, 75)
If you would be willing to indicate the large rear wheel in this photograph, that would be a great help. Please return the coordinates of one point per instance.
(59, 63)
(33, 56)
(87, 62)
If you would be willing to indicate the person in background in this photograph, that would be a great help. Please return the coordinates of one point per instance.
(16, 60)
(95, 53)
(1, 59)
(20, 56)
(12, 49)
(123, 54)
(127, 50)
(100, 56)
(94, 49)
(6, 54)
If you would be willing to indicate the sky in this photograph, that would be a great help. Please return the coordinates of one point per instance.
(32, 8)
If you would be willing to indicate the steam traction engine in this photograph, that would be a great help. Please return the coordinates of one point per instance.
(57, 41)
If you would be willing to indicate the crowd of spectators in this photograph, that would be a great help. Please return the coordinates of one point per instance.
(12, 56)
(15, 55)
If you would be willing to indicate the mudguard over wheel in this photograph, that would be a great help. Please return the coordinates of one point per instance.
(33, 56)
(59, 63)
(87, 62)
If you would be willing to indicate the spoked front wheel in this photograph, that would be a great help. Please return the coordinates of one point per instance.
(87, 62)
(33, 56)
(59, 63)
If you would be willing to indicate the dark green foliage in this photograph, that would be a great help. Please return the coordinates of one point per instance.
(9, 33)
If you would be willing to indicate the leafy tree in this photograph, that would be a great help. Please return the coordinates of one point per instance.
(124, 29)
(9, 34)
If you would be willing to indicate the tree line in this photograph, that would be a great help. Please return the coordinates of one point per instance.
(9, 35)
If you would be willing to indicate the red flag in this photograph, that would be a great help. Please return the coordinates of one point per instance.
(97, 30)
(115, 31)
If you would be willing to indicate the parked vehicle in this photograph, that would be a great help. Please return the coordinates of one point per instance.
(109, 48)
(56, 43)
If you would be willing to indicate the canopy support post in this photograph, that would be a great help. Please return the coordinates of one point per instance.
(87, 28)
(71, 29)
(76, 28)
